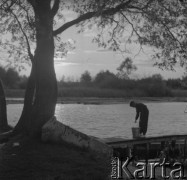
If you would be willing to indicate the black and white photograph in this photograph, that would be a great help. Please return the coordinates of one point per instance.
(93, 89)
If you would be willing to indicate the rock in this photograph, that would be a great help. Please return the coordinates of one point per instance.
(15, 144)
(5, 129)
(1, 145)
(4, 137)
(55, 131)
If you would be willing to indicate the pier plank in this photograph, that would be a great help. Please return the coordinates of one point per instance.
(123, 143)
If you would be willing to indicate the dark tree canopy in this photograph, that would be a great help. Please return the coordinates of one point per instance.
(86, 77)
(105, 79)
(12, 76)
(126, 68)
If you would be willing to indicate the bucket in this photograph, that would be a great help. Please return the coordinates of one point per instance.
(135, 132)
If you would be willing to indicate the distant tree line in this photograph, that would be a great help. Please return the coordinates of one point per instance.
(11, 79)
(153, 86)
(104, 83)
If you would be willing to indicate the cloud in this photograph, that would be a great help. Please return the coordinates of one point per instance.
(104, 50)
(98, 51)
(71, 52)
(67, 64)
(90, 51)
(89, 34)
(67, 12)
(59, 59)
(69, 15)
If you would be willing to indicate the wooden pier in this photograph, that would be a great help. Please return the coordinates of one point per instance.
(115, 143)
(180, 141)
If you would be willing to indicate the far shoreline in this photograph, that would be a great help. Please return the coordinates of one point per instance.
(98, 101)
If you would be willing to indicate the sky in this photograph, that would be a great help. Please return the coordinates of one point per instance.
(88, 56)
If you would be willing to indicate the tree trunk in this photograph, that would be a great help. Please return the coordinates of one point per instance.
(41, 92)
(3, 110)
(25, 119)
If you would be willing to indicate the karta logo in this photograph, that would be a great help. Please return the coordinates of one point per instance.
(144, 170)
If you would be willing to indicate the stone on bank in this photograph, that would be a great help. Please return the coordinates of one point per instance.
(55, 131)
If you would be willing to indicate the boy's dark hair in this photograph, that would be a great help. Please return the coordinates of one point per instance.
(132, 103)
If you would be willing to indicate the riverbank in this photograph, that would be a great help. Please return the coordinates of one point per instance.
(94, 100)
(73, 100)
(24, 158)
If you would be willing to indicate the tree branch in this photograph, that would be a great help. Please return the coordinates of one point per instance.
(165, 26)
(132, 25)
(9, 6)
(149, 14)
(55, 7)
(89, 15)
(26, 38)
(73, 22)
(27, 15)
(3, 3)
(133, 30)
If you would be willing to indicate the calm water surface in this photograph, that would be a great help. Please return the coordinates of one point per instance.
(116, 120)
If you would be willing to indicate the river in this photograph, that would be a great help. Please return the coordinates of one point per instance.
(116, 120)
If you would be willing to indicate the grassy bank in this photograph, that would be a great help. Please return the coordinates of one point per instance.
(14, 93)
(179, 93)
(33, 160)
(98, 92)
(93, 92)
(83, 92)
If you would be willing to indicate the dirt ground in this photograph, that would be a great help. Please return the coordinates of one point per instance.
(24, 158)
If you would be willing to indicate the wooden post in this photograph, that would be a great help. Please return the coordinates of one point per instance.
(184, 149)
(147, 152)
(129, 154)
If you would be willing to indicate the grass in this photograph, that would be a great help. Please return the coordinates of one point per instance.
(82, 92)
(14, 93)
(179, 93)
(98, 92)
(35, 160)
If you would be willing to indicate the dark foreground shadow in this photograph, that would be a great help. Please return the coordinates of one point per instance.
(24, 158)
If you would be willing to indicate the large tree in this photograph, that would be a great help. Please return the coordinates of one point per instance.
(36, 24)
